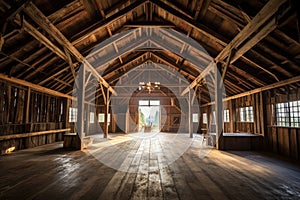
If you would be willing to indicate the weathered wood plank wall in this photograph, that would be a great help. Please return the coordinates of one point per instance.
(23, 110)
(281, 140)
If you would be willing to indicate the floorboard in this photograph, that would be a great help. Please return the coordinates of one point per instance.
(147, 171)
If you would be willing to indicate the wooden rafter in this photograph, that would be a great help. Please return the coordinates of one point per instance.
(106, 21)
(264, 14)
(261, 89)
(45, 23)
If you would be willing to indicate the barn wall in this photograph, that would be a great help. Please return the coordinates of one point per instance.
(278, 139)
(23, 110)
(172, 119)
(281, 140)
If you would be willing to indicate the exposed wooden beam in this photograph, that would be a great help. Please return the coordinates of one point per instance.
(226, 66)
(124, 65)
(105, 22)
(125, 50)
(261, 89)
(149, 24)
(53, 76)
(21, 135)
(205, 72)
(198, 8)
(10, 13)
(45, 24)
(33, 86)
(170, 63)
(41, 38)
(264, 14)
(269, 27)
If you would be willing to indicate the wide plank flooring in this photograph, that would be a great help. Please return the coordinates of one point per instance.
(157, 167)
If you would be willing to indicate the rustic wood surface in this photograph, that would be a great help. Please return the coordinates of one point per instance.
(51, 172)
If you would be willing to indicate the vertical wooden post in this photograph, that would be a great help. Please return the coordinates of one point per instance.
(113, 123)
(106, 115)
(258, 113)
(1, 103)
(255, 111)
(232, 116)
(127, 117)
(27, 105)
(81, 98)
(66, 111)
(8, 103)
(218, 106)
(262, 116)
(87, 122)
(190, 113)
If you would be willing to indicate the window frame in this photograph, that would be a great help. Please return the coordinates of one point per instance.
(195, 118)
(73, 112)
(226, 117)
(286, 114)
(204, 118)
(246, 114)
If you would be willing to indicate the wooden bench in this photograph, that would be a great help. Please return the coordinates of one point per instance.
(239, 141)
(72, 140)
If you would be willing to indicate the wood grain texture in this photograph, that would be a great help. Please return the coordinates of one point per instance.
(50, 172)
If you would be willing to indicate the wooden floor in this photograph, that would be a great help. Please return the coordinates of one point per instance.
(50, 172)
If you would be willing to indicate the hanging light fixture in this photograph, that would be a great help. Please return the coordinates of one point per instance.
(150, 86)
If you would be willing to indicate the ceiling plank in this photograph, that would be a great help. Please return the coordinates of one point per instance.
(105, 22)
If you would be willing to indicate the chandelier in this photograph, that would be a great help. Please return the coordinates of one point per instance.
(150, 86)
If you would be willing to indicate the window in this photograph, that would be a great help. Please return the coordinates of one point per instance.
(154, 102)
(143, 102)
(282, 114)
(204, 118)
(226, 115)
(287, 114)
(101, 117)
(246, 114)
(149, 102)
(295, 113)
(72, 114)
(195, 117)
(213, 118)
(92, 117)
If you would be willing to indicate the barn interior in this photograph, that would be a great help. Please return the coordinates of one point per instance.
(149, 99)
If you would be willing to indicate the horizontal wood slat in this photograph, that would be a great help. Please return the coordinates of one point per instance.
(14, 136)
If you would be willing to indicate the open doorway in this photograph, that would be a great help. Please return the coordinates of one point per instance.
(149, 115)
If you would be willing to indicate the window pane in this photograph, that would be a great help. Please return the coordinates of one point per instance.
(204, 120)
(101, 117)
(154, 102)
(72, 114)
(213, 118)
(226, 115)
(144, 102)
(195, 117)
(92, 117)
(246, 114)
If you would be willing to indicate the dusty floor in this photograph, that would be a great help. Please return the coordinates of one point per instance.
(147, 172)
